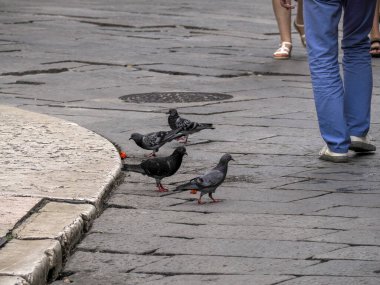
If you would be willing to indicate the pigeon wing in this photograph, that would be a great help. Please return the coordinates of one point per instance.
(210, 179)
(156, 167)
(183, 123)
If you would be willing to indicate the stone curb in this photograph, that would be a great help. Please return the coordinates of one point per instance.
(58, 194)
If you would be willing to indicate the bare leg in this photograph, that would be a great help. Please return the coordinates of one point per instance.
(283, 17)
(298, 22)
(299, 18)
(375, 33)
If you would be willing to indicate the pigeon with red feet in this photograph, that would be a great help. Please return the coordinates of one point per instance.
(212, 179)
(153, 141)
(186, 126)
(159, 167)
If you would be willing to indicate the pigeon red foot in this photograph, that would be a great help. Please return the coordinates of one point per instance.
(213, 200)
(161, 188)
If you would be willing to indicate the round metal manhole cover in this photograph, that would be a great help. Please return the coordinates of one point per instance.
(174, 97)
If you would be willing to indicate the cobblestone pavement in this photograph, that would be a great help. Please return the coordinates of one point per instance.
(285, 217)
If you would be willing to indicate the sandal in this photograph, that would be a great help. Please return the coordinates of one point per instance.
(301, 30)
(375, 49)
(284, 51)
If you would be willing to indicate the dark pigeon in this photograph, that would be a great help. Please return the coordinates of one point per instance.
(187, 127)
(153, 141)
(207, 183)
(160, 167)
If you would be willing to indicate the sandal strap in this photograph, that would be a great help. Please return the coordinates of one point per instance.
(285, 47)
(375, 40)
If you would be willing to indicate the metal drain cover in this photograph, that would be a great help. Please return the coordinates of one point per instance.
(174, 97)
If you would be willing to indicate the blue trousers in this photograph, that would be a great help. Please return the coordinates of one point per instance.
(343, 105)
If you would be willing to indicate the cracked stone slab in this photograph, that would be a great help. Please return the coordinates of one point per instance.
(219, 279)
(49, 157)
(33, 260)
(353, 253)
(104, 277)
(142, 202)
(355, 237)
(328, 280)
(191, 264)
(248, 248)
(12, 280)
(12, 210)
(349, 268)
(61, 221)
(107, 262)
(347, 211)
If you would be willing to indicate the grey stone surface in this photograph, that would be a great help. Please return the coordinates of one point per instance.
(353, 253)
(327, 280)
(354, 237)
(107, 262)
(189, 264)
(285, 216)
(349, 268)
(219, 279)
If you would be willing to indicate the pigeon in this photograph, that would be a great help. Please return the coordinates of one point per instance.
(153, 141)
(159, 167)
(187, 127)
(208, 182)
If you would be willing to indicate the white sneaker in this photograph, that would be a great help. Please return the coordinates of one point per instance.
(362, 144)
(328, 155)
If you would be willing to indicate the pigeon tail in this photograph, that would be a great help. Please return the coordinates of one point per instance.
(173, 134)
(203, 126)
(133, 168)
(187, 186)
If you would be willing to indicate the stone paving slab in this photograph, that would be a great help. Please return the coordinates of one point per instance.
(188, 264)
(353, 253)
(12, 210)
(33, 260)
(219, 279)
(61, 221)
(328, 280)
(48, 158)
(74, 60)
(66, 158)
(12, 280)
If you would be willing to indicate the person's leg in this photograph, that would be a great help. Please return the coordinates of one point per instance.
(283, 17)
(375, 33)
(321, 26)
(299, 23)
(299, 17)
(357, 68)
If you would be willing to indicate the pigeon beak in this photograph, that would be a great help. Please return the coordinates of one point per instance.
(185, 154)
(167, 113)
(130, 138)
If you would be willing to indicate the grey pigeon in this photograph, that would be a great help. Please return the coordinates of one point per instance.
(153, 141)
(159, 167)
(211, 180)
(187, 127)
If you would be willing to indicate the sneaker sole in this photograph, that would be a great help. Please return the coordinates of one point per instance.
(336, 159)
(362, 147)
